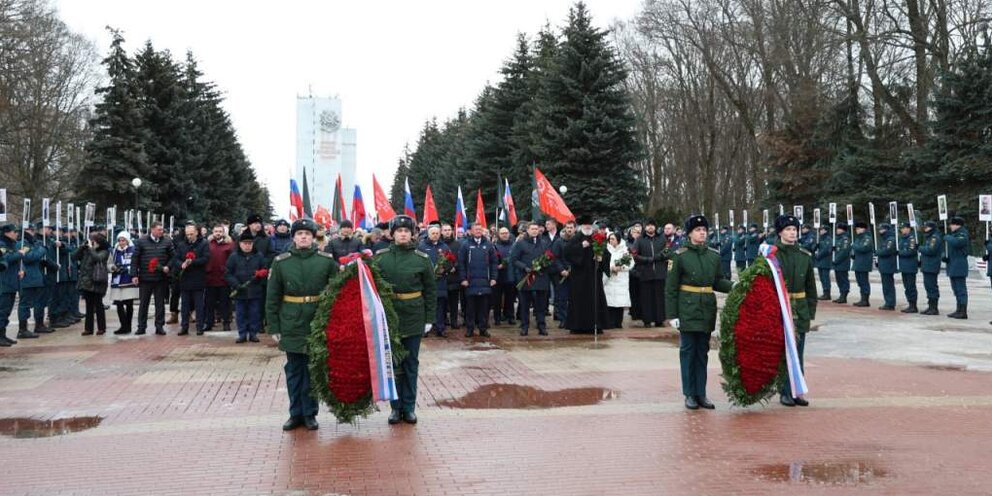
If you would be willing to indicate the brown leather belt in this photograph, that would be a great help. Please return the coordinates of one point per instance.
(300, 299)
(407, 296)
(695, 289)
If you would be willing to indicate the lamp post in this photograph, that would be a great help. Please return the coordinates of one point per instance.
(563, 189)
(136, 182)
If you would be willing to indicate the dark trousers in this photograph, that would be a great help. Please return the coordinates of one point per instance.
(957, 286)
(29, 302)
(504, 297)
(562, 291)
(439, 314)
(192, 299)
(477, 312)
(217, 305)
(614, 318)
(931, 286)
(889, 289)
(94, 306)
(145, 292)
(800, 347)
(301, 404)
(406, 376)
(693, 357)
(125, 312)
(863, 285)
(634, 287)
(843, 281)
(453, 299)
(725, 267)
(741, 265)
(540, 301)
(653, 301)
(6, 307)
(174, 296)
(249, 316)
(41, 302)
(909, 287)
(824, 280)
(73, 300)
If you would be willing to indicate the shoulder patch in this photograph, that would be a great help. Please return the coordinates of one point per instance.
(418, 252)
(282, 256)
(681, 250)
(381, 251)
(805, 251)
(325, 254)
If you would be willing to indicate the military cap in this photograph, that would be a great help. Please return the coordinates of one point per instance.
(282, 222)
(807, 226)
(32, 226)
(861, 224)
(783, 221)
(906, 225)
(304, 225)
(956, 221)
(8, 227)
(930, 224)
(842, 226)
(752, 226)
(402, 221)
(824, 227)
(695, 221)
(253, 218)
(885, 226)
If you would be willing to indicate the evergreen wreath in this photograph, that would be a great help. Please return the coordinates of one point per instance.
(339, 360)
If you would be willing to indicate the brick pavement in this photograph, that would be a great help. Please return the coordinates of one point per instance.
(201, 415)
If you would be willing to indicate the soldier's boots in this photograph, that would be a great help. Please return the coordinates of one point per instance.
(39, 328)
(469, 333)
(484, 333)
(863, 302)
(911, 308)
(887, 307)
(23, 332)
(5, 341)
(842, 298)
(931, 307)
(824, 297)
(961, 313)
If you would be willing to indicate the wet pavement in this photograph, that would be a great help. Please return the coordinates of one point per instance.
(901, 404)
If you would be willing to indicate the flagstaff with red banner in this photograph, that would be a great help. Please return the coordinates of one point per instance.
(430, 209)
(383, 210)
(480, 210)
(550, 202)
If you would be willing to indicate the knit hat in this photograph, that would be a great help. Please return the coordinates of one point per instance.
(246, 236)
(124, 234)
(253, 218)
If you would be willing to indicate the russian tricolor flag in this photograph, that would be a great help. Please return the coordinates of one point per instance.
(408, 202)
(461, 216)
(295, 199)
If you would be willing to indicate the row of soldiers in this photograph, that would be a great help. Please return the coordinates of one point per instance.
(905, 252)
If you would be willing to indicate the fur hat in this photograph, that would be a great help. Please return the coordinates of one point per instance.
(783, 221)
(695, 221)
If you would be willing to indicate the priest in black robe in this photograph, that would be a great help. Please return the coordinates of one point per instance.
(586, 302)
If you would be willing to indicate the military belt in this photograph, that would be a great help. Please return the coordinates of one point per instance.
(797, 296)
(407, 296)
(695, 289)
(300, 299)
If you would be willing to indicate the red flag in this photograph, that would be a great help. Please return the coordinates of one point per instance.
(322, 216)
(551, 203)
(430, 209)
(338, 210)
(383, 209)
(480, 210)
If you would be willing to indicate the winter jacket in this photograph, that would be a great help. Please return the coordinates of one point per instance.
(650, 260)
(342, 247)
(435, 251)
(10, 264)
(931, 252)
(280, 242)
(194, 277)
(217, 265)
(120, 266)
(147, 249)
(616, 285)
(988, 257)
(821, 258)
(89, 259)
(239, 268)
(842, 253)
(957, 252)
(455, 246)
(506, 270)
(33, 276)
(888, 252)
(522, 256)
(908, 254)
(863, 250)
(477, 266)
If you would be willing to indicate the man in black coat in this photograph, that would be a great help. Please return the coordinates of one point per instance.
(651, 266)
(151, 277)
(190, 263)
(535, 291)
(345, 243)
(262, 243)
(455, 290)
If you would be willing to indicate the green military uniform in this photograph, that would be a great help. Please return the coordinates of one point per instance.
(411, 275)
(694, 273)
(296, 279)
(797, 272)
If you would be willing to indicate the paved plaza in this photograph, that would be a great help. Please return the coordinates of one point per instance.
(901, 404)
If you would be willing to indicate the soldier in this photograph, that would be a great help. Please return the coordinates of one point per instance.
(822, 261)
(32, 287)
(295, 282)
(740, 250)
(59, 315)
(694, 273)
(10, 281)
(842, 261)
(887, 254)
(862, 252)
(797, 270)
(807, 240)
(957, 265)
(49, 268)
(411, 275)
(931, 253)
(988, 258)
(751, 242)
(726, 247)
(908, 265)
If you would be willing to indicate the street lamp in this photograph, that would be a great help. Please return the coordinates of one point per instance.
(136, 182)
(563, 189)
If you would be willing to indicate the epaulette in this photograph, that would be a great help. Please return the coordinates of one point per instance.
(714, 250)
(681, 250)
(807, 252)
(282, 256)
(325, 254)
(381, 251)
(418, 252)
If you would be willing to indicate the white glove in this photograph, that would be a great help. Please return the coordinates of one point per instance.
(675, 323)
(427, 328)
(276, 337)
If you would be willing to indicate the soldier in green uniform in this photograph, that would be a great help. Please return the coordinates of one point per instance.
(931, 252)
(863, 251)
(842, 262)
(908, 265)
(295, 281)
(411, 275)
(694, 273)
(797, 270)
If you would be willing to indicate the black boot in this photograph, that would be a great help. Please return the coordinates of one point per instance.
(863, 302)
(931, 307)
(23, 332)
(960, 313)
(824, 297)
(842, 298)
(39, 328)
(911, 308)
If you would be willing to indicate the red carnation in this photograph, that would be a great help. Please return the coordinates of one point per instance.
(599, 237)
(451, 257)
(547, 253)
(261, 273)
(190, 255)
(153, 265)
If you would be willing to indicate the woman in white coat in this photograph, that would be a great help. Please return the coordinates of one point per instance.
(616, 284)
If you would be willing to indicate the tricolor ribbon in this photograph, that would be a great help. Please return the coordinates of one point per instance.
(376, 336)
(358, 255)
(796, 379)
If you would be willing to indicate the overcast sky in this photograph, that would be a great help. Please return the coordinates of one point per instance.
(394, 64)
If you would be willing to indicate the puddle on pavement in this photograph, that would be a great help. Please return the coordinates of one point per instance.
(836, 473)
(952, 368)
(551, 344)
(515, 396)
(483, 347)
(29, 428)
(11, 369)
